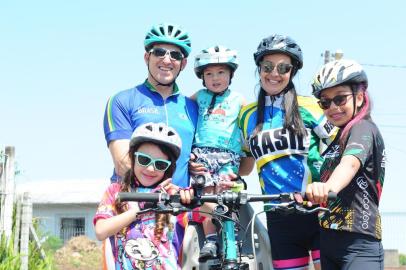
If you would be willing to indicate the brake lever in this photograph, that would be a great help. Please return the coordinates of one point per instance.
(303, 210)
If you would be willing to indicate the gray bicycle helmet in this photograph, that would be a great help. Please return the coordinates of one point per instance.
(168, 33)
(279, 44)
(158, 133)
(338, 72)
(215, 55)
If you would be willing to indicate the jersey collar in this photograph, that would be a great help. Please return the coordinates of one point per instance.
(152, 88)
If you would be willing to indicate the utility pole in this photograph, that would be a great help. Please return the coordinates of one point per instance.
(328, 56)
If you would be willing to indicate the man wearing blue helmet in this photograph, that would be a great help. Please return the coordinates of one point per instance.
(157, 99)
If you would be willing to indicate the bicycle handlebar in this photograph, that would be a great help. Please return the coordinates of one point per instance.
(224, 198)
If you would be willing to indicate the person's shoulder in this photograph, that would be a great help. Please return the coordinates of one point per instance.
(366, 124)
(250, 107)
(309, 104)
(307, 101)
(129, 91)
(114, 188)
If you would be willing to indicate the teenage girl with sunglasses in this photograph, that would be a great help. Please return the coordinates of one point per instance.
(283, 132)
(142, 241)
(354, 168)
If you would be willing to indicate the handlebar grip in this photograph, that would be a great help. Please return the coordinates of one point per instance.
(138, 197)
(332, 196)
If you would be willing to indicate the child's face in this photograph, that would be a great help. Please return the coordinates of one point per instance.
(217, 77)
(341, 108)
(148, 174)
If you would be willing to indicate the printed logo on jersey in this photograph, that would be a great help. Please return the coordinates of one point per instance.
(276, 141)
(148, 110)
(328, 127)
(383, 161)
(333, 152)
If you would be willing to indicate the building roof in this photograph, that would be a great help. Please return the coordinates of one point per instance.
(64, 191)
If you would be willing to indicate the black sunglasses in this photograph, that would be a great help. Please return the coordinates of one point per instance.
(146, 160)
(161, 53)
(282, 68)
(338, 100)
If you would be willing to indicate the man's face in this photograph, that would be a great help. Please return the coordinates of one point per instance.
(164, 69)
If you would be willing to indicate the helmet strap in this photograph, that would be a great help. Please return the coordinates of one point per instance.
(213, 101)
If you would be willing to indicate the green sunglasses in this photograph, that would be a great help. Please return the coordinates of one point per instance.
(145, 160)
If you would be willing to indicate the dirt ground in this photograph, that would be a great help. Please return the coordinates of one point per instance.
(79, 253)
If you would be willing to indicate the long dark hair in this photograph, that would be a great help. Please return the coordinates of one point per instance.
(129, 183)
(293, 121)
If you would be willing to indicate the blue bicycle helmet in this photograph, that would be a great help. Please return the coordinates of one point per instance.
(279, 44)
(168, 33)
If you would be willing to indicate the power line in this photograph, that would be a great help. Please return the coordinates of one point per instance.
(384, 66)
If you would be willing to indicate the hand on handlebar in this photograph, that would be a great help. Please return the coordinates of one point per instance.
(317, 193)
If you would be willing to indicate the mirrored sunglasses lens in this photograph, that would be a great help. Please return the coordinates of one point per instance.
(161, 165)
(267, 67)
(283, 68)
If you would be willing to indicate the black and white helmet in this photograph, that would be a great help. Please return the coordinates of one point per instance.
(158, 133)
(215, 55)
(279, 44)
(343, 71)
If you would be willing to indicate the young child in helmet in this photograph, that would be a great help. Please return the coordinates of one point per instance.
(217, 142)
(142, 241)
(354, 168)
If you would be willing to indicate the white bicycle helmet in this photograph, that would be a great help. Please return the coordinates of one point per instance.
(168, 33)
(158, 133)
(343, 71)
(215, 55)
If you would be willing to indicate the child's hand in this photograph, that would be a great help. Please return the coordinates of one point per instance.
(196, 168)
(186, 195)
(317, 192)
(167, 186)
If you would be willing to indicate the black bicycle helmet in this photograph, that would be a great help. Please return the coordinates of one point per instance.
(279, 44)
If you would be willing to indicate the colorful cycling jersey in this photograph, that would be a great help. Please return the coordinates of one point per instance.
(285, 162)
(356, 208)
(142, 104)
(136, 247)
(219, 129)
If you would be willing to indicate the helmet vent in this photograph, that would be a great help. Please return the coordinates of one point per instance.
(154, 32)
(170, 28)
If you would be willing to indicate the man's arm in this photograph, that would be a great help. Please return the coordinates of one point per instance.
(119, 153)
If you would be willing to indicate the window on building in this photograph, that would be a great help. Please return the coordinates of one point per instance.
(71, 227)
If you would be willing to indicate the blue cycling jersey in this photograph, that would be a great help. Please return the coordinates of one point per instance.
(285, 162)
(142, 104)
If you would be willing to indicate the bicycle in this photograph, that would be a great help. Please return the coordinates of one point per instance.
(237, 254)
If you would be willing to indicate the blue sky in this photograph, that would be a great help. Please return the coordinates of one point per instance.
(61, 60)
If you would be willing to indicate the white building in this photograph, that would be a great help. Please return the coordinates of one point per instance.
(65, 208)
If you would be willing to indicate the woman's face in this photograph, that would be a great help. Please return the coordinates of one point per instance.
(149, 174)
(338, 105)
(272, 81)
